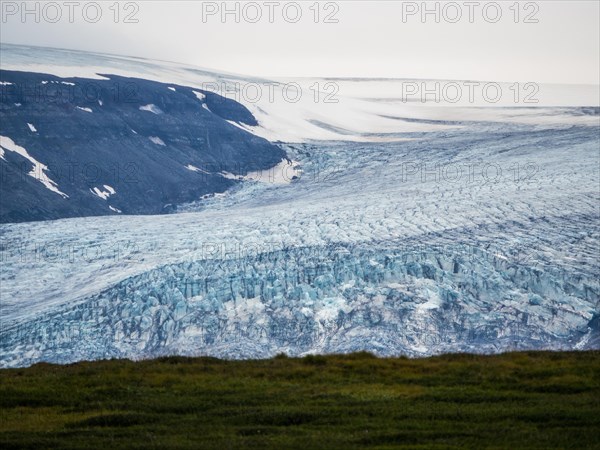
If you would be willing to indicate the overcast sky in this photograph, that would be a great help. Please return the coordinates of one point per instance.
(370, 39)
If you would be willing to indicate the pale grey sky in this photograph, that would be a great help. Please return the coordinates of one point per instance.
(370, 38)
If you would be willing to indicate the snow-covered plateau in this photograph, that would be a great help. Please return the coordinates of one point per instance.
(460, 229)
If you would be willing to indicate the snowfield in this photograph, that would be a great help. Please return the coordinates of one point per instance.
(332, 109)
(431, 230)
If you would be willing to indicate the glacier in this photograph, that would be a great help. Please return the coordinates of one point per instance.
(390, 227)
(380, 247)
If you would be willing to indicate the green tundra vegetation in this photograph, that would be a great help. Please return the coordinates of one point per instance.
(537, 400)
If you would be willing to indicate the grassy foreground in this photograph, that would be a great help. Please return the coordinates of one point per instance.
(539, 400)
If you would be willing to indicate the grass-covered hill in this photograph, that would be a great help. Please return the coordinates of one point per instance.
(538, 400)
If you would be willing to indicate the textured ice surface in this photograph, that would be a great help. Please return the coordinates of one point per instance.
(448, 229)
(480, 238)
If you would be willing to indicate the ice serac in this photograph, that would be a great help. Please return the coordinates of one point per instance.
(318, 300)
